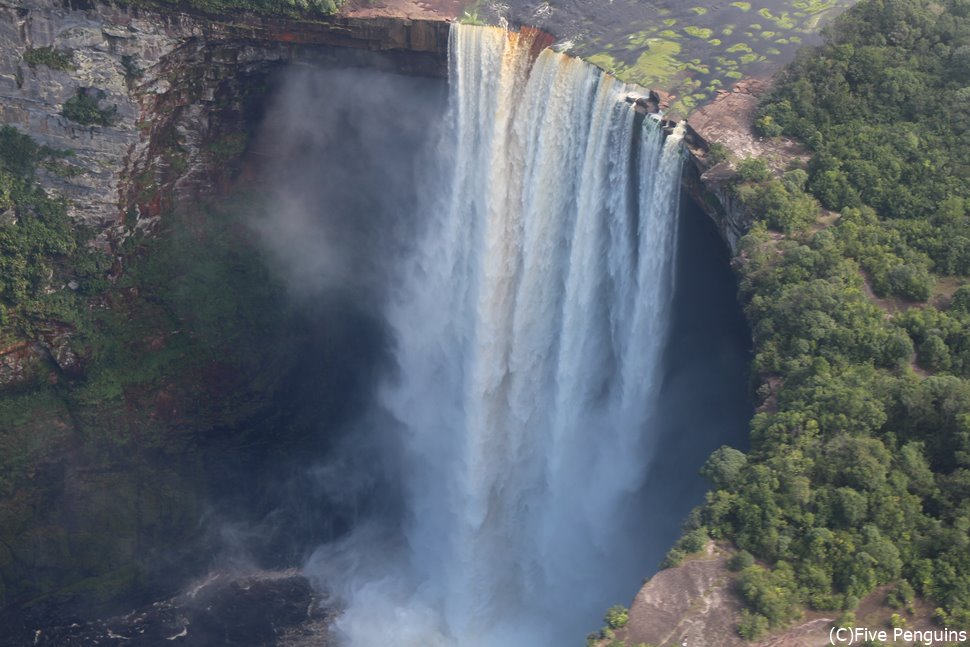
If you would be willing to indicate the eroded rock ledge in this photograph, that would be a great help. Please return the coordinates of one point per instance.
(250, 609)
(184, 85)
(166, 75)
(696, 604)
(728, 121)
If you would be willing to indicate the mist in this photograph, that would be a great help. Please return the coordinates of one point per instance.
(540, 366)
(350, 150)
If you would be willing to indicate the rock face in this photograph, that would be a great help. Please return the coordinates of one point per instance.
(113, 431)
(155, 70)
(696, 604)
(728, 121)
(255, 609)
(690, 604)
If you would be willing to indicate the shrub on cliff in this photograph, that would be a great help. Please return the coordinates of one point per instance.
(752, 625)
(52, 58)
(753, 169)
(717, 153)
(616, 617)
(782, 208)
(85, 108)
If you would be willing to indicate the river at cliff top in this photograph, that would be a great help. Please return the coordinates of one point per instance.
(692, 49)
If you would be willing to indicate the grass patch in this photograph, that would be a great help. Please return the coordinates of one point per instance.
(699, 32)
(814, 6)
(783, 21)
(637, 39)
(657, 64)
(52, 58)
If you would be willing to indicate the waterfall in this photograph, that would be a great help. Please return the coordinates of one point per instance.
(530, 324)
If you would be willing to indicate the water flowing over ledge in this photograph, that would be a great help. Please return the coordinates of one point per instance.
(530, 325)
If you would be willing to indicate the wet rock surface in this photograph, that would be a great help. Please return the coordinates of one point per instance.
(263, 608)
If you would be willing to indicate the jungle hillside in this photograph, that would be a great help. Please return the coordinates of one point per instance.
(855, 284)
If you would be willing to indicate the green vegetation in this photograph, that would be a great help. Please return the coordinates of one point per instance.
(699, 32)
(228, 147)
(885, 107)
(85, 108)
(783, 204)
(37, 240)
(655, 63)
(616, 617)
(859, 469)
(52, 58)
(178, 339)
(751, 31)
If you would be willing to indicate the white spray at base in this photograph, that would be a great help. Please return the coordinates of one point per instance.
(530, 326)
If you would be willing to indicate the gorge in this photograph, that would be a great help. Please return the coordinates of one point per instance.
(558, 348)
(531, 326)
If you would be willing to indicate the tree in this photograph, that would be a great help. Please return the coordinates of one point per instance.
(724, 466)
(753, 169)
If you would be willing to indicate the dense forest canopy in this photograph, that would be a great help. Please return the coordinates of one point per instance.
(859, 471)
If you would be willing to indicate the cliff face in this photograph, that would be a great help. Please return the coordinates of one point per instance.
(122, 411)
(118, 463)
(164, 76)
(728, 121)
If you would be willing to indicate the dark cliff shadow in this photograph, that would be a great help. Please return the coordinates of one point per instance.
(704, 398)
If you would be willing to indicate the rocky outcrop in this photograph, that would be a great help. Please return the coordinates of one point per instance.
(727, 121)
(20, 363)
(696, 604)
(709, 185)
(253, 609)
(144, 67)
(692, 604)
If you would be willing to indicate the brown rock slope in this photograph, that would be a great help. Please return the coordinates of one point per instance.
(696, 605)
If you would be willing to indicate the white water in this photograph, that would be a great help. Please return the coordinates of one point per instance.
(530, 326)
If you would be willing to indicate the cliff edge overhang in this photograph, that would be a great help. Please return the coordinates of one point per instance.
(170, 85)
